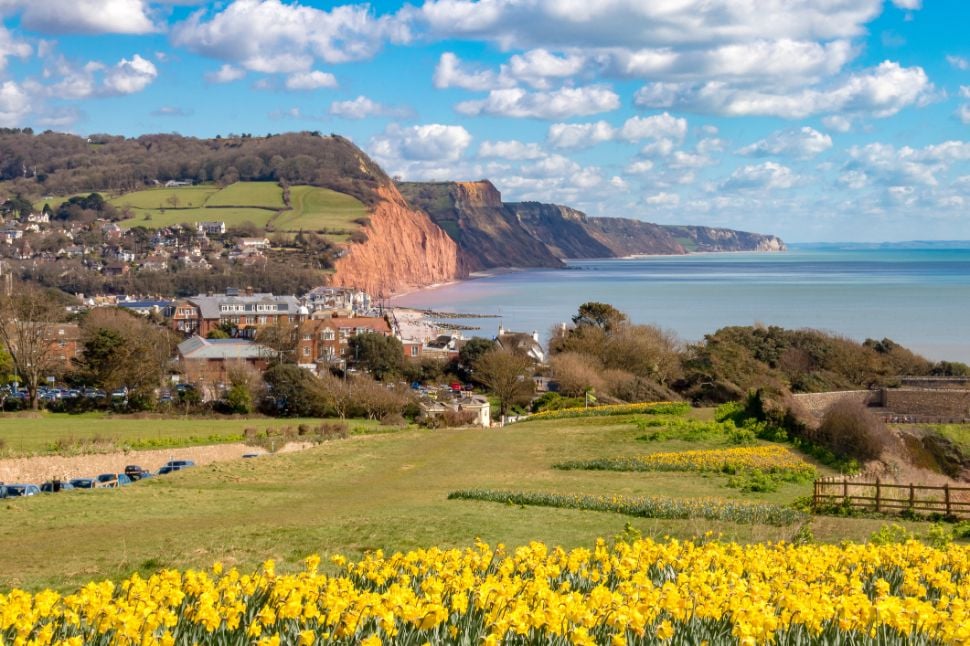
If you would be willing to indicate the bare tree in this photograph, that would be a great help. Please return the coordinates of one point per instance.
(508, 375)
(27, 319)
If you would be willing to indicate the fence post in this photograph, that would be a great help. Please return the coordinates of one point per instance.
(845, 490)
(912, 496)
(946, 497)
(877, 496)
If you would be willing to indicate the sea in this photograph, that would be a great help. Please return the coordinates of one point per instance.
(917, 296)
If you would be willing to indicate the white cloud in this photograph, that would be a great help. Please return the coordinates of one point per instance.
(766, 176)
(84, 16)
(963, 113)
(14, 104)
(579, 135)
(663, 199)
(639, 167)
(639, 24)
(959, 62)
(892, 166)
(313, 80)
(681, 160)
(802, 143)
(558, 104)
(273, 37)
(514, 150)
(538, 66)
(661, 127)
(171, 111)
(965, 91)
(659, 148)
(450, 72)
(364, 108)
(432, 142)
(10, 46)
(225, 74)
(129, 76)
(908, 4)
(881, 91)
(854, 179)
(837, 122)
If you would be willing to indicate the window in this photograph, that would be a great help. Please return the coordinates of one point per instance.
(307, 337)
(327, 335)
(306, 351)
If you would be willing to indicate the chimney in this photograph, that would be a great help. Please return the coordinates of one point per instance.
(535, 335)
(249, 290)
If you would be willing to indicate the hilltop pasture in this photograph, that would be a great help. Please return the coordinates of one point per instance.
(243, 203)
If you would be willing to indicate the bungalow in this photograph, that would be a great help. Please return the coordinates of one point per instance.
(475, 407)
(208, 362)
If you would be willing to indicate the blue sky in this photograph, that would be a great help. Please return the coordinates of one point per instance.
(811, 119)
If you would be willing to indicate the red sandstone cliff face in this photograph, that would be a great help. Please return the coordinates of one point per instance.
(404, 250)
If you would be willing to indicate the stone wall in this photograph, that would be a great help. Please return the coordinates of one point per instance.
(817, 403)
(930, 403)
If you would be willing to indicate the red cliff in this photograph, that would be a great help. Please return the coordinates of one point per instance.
(404, 250)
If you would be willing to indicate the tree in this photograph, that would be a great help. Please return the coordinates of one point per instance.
(382, 355)
(27, 318)
(281, 339)
(601, 315)
(293, 391)
(470, 353)
(122, 349)
(508, 375)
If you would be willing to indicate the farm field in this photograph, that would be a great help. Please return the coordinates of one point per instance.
(315, 209)
(257, 203)
(233, 217)
(267, 195)
(28, 435)
(387, 491)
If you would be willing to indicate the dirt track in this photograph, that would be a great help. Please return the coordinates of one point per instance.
(41, 469)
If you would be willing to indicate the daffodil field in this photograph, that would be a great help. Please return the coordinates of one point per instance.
(645, 506)
(643, 592)
(773, 459)
(649, 408)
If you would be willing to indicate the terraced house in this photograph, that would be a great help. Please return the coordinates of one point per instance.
(244, 312)
(324, 341)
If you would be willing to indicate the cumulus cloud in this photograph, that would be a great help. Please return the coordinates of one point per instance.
(10, 46)
(557, 104)
(802, 143)
(364, 108)
(881, 91)
(451, 72)
(84, 16)
(313, 80)
(638, 24)
(513, 150)
(225, 74)
(663, 199)
(909, 4)
(837, 122)
(766, 176)
(892, 166)
(584, 135)
(270, 36)
(129, 76)
(432, 142)
(14, 104)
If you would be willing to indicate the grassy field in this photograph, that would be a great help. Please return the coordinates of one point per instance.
(384, 491)
(315, 209)
(184, 197)
(30, 435)
(267, 195)
(233, 217)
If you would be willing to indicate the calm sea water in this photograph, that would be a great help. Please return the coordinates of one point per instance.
(919, 298)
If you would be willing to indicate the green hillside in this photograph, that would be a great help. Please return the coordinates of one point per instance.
(258, 203)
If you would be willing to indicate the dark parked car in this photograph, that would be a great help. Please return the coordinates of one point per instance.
(83, 483)
(19, 490)
(135, 472)
(55, 486)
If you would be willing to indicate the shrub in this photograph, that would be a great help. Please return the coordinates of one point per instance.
(849, 429)
(393, 419)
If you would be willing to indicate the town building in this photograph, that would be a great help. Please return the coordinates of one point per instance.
(521, 343)
(246, 312)
(208, 362)
(325, 341)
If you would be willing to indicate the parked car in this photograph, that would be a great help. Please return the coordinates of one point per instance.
(20, 490)
(112, 480)
(83, 483)
(180, 464)
(135, 472)
(55, 486)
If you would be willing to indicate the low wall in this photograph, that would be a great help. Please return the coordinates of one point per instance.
(943, 403)
(817, 403)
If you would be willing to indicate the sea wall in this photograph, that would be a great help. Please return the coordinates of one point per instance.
(817, 403)
(928, 403)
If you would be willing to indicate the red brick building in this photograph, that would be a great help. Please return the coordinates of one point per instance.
(324, 341)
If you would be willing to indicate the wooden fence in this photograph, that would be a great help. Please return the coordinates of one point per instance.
(885, 497)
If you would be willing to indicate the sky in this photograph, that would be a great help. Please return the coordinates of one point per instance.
(815, 120)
